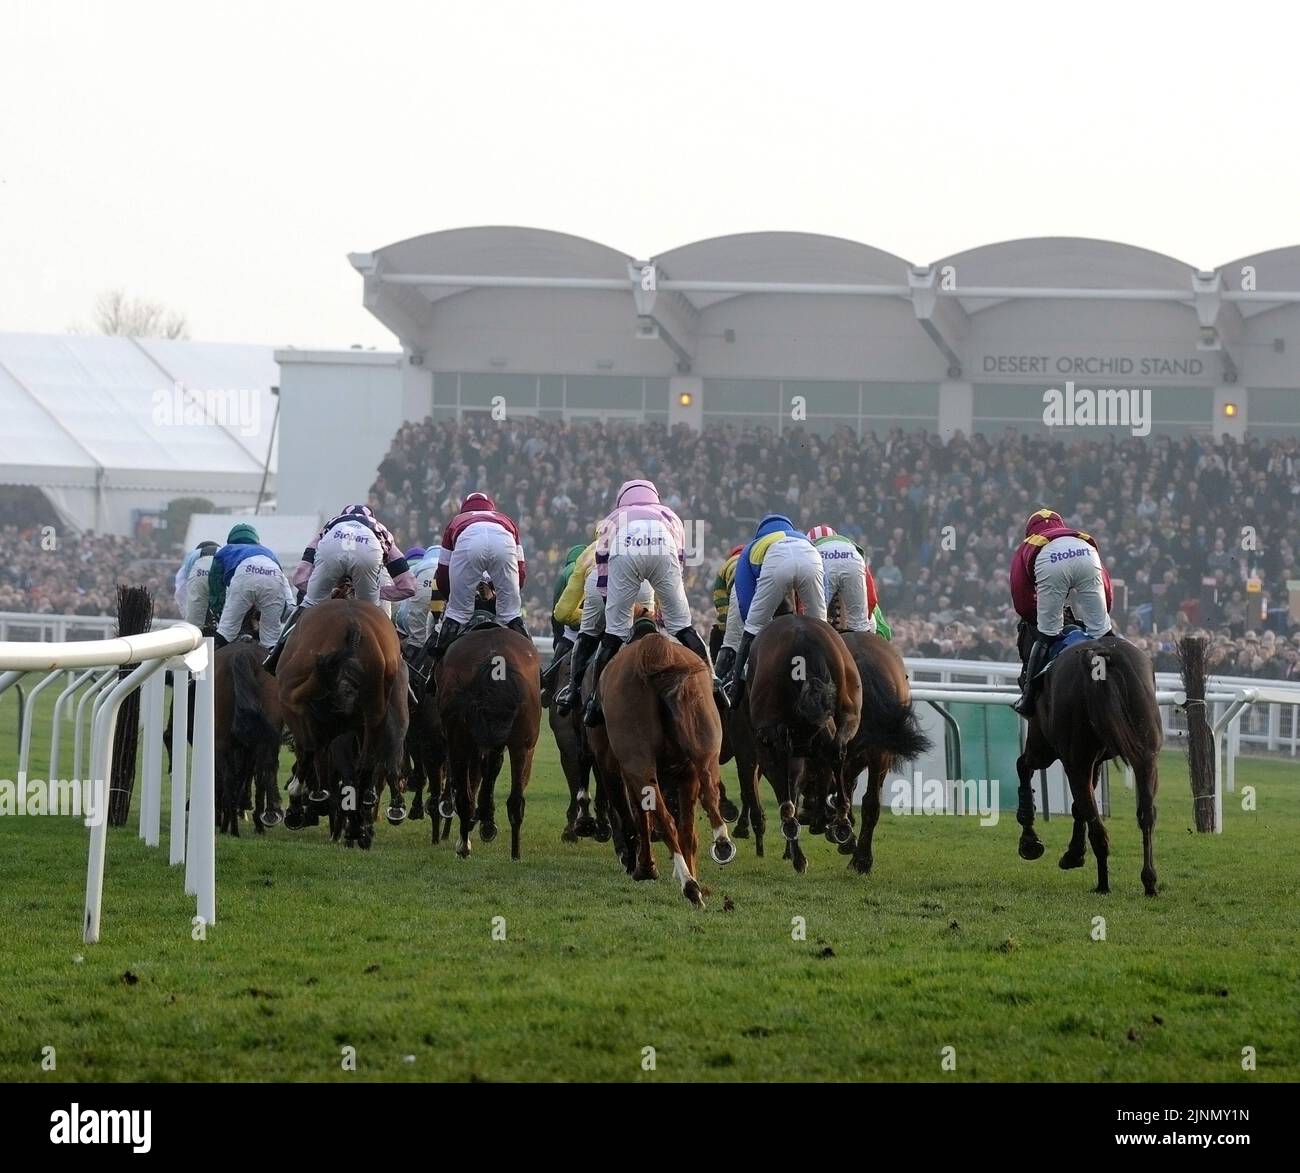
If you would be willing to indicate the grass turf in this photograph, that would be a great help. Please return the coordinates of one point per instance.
(952, 942)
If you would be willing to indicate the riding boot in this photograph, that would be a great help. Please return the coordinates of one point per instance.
(690, 638)
(725, 662)
(564, 700)
(274, 658)
(1029, 694)
(219, 641)
(592, 715)
(558, 648)
(517, 624)
(449, 630)
(735, 687)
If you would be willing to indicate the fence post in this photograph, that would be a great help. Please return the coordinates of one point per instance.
(75, 681)
(180, 762)
(200, 862)
(152, 696)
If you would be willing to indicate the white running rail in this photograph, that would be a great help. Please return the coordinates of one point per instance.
(180, 649)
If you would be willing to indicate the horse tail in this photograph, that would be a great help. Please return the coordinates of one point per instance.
(889, 724)
(248, 723)
(489, 705)
(1119, 707)
(667, 675)
(818, 698)
(342, 672)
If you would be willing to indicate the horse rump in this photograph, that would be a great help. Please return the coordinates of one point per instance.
(248, 722)
(343, 673)
(817, 699)
(487, 709)
(1121, 711)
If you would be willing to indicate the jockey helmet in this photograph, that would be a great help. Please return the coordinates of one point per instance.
(243, 534)
(820, 531)
(1042, 520)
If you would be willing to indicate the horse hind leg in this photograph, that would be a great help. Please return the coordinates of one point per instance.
(1077, 852)
(789, 814)
(1030, 846)
(1085, 798)
(1146, 781)
(486, 812)
(521, 768)
(722, 850)
(681, 848)
(863, 858)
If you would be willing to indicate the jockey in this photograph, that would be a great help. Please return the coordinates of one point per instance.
(641, 540)
(779, 559)
(1054, 566)
(353, 544)
(582, 607)
(192, 584)
(478, 541)
(848, 575)
(417, 616)
(245, 574)
(563, 621)
(722, 652)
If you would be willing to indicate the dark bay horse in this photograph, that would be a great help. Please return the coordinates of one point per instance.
(805, 699)
(663, 734)
(888, 735)
(336, 676)
(580, 770)
(248, 728)
(1097, 702)
(489, 703)
(427, 750)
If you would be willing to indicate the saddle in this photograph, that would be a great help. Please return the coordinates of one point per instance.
(480, 618)
(1071, 634)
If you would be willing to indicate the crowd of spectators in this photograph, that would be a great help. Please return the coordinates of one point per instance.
(1202, 535)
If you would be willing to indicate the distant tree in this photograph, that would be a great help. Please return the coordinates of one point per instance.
(116, 313)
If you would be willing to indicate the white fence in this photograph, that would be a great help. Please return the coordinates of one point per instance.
(90, 667)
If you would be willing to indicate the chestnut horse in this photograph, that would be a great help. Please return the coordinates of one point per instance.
(336, 676)
(662, 726)
(888, 735)
(248, 729)
(488, 692)
(1097, 702)
(804, 699)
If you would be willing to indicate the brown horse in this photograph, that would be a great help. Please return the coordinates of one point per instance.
(738, 742)
(1097, 702)
(488, 694)
(662, 726)
(888, 735)
(805, 699)
(336, 677)
(248, 731)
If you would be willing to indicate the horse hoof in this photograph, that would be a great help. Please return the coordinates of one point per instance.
(395, 815)
(417, 812)
(584, 826)
(740, 831)
(790, 829)
(1102, 889)
(1031, 849)
(568, 835)
(841, 833)
(1069, 862)
(463, 852)
(447, 808)
(722, 852)
(293, 821)
(861, 864)
(602, 833)
(318, 796)
(488, 832)
(693, 894)
(730, 811)
(849, 846)
(271, 818)
(369, 797)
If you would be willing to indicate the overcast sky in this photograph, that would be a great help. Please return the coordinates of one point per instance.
(225, 157)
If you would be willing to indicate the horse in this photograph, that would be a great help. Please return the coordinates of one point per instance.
(738, 742)
(1098, 702)
(336, 676)
(488, 692)
(888, 735)
(662, 726)
(580, 771)
(427, 750)
(248, 727)
(804, 699)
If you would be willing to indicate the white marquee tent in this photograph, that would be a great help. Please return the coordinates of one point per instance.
(105, 427)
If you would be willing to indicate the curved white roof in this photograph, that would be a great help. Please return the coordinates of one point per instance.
(123, 415)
